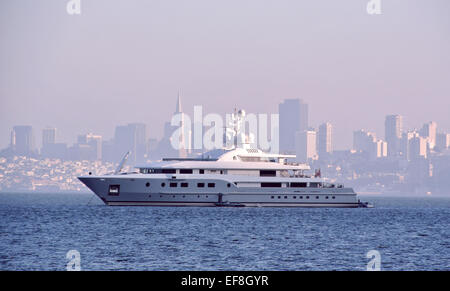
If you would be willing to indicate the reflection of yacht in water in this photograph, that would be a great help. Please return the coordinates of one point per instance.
(238, 176)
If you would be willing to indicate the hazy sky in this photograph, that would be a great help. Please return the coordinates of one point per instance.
(124, 61)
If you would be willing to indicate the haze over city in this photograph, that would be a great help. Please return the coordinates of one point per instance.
(125, 61)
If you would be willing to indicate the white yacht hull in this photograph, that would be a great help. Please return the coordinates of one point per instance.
(136, 190)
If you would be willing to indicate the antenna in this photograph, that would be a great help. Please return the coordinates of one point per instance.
(122, 163)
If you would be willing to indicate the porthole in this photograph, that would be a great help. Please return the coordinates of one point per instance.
(307, 197)
(149, 196)
(333, 197)
(326, 197)
(163, 184)
(317, 197)
(301, 197)
(285, 197)
(147, 184)
(173, 196)
(295, 197)
(279, 197)
(228, 185)
(272, 197)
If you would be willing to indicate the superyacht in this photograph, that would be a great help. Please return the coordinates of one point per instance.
(237, 175)
(234, 177)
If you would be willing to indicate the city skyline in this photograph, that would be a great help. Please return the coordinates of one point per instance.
(81, 79)
(298, 137)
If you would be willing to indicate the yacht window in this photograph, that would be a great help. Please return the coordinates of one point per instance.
(267, 173)
(201, 171)
(298, 185)
(184, 185)
(169, 171)
(228, 185)
(200, 185)
(268, 184)
(315, 185)
(211, 185)
(185, 171)
(173, 185)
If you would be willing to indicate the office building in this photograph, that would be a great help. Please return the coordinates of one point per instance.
(324, 140)
(293, 118)
(393, 134)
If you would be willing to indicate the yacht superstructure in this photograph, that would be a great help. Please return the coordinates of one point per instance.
(225, 177)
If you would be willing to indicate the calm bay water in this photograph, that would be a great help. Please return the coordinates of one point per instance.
(37, 230)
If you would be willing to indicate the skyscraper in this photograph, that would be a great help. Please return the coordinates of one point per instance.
(393, 134)
(293, 118)
(88, 147)
(305, 145)
(324, 140)
(443, 141)
(131, 137)
(182, 139)
(48, 136)
(405, 144)
(22, 140)
(50, 148)
(367, 143)
(429, 131)
(418, 147)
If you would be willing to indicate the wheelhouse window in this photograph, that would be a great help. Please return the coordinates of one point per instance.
(267, 173)
(185, 171)
(298, 185)
(268, 184)
(114, 190)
